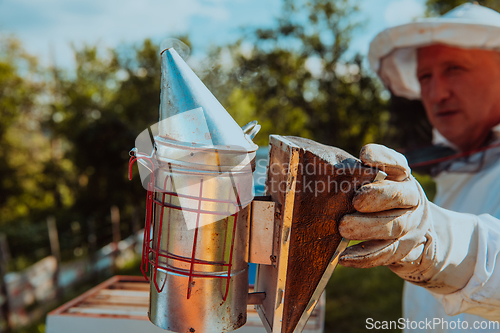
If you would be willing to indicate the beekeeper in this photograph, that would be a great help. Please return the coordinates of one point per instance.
(447, 250)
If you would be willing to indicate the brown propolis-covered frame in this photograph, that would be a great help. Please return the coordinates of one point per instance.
(312, 186)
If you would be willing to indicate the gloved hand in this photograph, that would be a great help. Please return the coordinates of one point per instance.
(421, 242)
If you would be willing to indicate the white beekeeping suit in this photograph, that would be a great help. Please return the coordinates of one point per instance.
(467, 185)
(429, 241)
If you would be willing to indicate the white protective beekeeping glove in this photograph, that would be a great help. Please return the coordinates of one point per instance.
(421, 242)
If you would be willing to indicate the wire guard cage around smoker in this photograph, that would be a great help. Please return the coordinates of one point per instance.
(153, 255)
(195, 244)
(197, 220)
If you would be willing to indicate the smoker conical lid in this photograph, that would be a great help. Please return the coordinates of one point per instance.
(189, 112)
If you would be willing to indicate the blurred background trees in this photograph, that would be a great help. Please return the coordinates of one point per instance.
(65, 142)
(21, 87)
(297, 79)
(65, 134)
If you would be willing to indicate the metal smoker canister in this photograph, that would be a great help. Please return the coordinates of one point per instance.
(197, 239)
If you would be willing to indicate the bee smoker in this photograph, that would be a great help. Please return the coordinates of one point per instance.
(199, 182)
(203, 224)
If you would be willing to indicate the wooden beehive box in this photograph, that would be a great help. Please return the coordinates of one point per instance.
(121, 303)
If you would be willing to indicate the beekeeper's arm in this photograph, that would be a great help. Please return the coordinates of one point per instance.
(453, 255)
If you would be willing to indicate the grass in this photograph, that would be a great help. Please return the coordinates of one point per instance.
(353, 295)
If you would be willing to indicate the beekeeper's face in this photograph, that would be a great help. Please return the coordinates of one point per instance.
(460, 90)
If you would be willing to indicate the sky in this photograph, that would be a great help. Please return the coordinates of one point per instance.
(48, 28)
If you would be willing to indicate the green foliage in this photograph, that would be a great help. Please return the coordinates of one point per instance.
(295, 78)
(428, 184)
(98, 113)
(440, 7)
(65, 139)
(353, 295)
(20, 139)
(408, 126)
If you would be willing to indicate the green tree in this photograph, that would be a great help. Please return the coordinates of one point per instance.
(295, 78)
(21, 144)
(97, 113)
(65, 141)
(25, 152)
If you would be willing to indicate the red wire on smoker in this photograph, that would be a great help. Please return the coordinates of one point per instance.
(148, 247)
(194, 241)
(149, 201)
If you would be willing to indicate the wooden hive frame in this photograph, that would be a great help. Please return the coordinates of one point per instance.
(307, 242)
